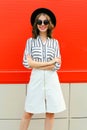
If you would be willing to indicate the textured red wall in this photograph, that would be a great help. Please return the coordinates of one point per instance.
(71, 31)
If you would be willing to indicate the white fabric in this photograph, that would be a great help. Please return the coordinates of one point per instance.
(44, 93)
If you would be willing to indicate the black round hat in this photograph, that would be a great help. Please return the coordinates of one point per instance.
(43, 10)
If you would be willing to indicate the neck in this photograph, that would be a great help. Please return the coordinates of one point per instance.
(43, 36)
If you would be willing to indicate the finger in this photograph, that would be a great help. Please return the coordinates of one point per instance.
(28, 56)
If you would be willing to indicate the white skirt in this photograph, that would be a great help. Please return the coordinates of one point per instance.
(44, 93)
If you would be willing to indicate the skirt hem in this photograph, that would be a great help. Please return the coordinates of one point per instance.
(43, 112)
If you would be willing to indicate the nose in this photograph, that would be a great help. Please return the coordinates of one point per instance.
(42, 23)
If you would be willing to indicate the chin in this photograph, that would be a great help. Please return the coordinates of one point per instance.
(45, 30)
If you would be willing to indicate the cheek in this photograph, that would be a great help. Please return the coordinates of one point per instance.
(37, 26)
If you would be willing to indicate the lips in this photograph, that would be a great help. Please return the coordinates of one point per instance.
(42, 27)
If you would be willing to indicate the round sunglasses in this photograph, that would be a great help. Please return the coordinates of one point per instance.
(45, 22)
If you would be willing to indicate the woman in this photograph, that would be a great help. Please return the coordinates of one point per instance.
(42, 54)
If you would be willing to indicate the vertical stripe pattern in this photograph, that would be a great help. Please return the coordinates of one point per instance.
(41, 52)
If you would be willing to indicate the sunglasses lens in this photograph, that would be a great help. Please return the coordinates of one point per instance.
(46, 22)
(39, 22)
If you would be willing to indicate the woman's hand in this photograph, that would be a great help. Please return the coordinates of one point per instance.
(58, 60)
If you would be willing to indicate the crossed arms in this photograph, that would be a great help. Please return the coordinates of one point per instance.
(43, 65)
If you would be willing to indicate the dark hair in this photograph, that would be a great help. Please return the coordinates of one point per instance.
(35, 31)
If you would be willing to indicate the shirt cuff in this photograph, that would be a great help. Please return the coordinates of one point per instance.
(57, 66)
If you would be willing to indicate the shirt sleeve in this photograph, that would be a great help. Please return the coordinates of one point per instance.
(57, 54)
(27, 51)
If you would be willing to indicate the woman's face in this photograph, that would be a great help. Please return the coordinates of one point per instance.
(42, 24)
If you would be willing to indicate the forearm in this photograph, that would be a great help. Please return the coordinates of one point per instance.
(49, 67)
(35, 64)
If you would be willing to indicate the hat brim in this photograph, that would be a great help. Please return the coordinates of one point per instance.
(43, 10)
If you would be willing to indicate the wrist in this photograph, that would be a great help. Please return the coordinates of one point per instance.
(52, 62)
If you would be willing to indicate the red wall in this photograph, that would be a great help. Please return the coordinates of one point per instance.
(71, 31)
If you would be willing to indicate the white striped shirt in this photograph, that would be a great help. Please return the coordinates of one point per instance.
(41, 52)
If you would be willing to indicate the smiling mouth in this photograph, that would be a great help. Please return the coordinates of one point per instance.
(43, 27)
